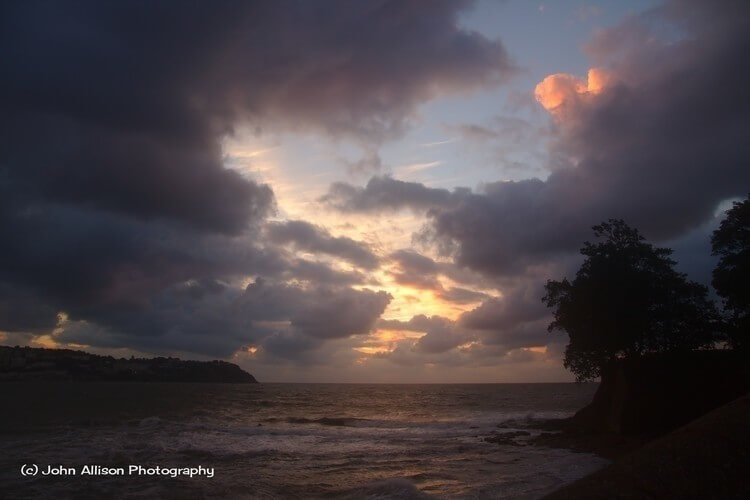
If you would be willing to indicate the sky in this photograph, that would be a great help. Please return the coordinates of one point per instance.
(345, 191)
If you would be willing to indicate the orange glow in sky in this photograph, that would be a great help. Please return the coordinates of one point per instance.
(561, 88)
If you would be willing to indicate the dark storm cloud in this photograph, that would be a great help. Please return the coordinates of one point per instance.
(320, 273)
(495, 327)
(527, 334)
(441, 334)
(113, 194)
(292, 321)
(321, 312)
(661, 145)
(414, 262)
(462, 295)
(518, 319)
(334, 314)
(387, 193)
(415, 270)
(310, 238)
(520, 305)
(22, 310)
(290, 345)
(216, 319)
(420, 271)
(80, 258)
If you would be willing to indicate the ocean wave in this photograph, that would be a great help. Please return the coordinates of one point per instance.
(394, 488)
(330, 421)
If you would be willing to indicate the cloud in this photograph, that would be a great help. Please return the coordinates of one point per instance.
(420, 271)
(633, 140)
(78, 258)
(505, 130)
(389, 194)
(460, 295)
(113, 191)
(636, 141)
(557, 91)
(415, 270)
(310, 238)
(370, 163)
(320, 273)
(521, 304)
(215, 319)
(22, 310)
(317, 311)
(441, 334)
(655, 134)
(497, 326)
(335, 314)
(474, 132)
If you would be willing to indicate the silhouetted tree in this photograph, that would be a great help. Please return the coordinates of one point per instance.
(731, 278)
(626, 300)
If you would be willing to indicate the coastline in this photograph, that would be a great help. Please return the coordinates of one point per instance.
(565, 434)
(707, 458)
(23, 364)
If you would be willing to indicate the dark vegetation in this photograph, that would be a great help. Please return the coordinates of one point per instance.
(664, 352)
(28, 363)
(731, 278)
(627, 300)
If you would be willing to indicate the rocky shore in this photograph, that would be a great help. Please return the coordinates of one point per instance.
(676, 426)
(28, 363)
(707, 458)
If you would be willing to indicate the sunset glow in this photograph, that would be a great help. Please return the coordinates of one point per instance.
(561, 88)
(331, 208)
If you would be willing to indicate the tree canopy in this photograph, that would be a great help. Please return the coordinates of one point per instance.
(731, 277)
(627, 299)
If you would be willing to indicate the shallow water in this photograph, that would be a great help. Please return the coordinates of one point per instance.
(286, 440)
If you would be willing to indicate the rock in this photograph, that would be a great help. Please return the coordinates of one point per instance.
(657, 393)
(508, 438)
(708, 458)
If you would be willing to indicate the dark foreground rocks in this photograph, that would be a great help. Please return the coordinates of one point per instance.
(708, 458)
(565, 434)
(657, 393)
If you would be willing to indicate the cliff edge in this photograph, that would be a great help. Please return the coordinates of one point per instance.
(708, 458)
(655, 394)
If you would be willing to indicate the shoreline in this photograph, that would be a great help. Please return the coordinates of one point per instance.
(707, 458)
(565, 434)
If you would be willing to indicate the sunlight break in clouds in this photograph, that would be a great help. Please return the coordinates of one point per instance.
(209, 199)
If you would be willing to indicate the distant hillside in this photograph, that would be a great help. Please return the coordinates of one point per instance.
(29, 363)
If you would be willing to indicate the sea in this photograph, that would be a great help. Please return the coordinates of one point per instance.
(358, 441)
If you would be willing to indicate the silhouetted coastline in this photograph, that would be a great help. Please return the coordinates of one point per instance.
(708, 458)
(673, 423)
(30, 363)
